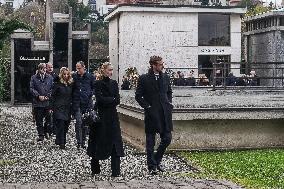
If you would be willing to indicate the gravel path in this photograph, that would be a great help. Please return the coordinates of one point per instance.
(32, 162)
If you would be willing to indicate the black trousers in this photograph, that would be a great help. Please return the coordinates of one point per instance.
(61, 131)
(154, 159)
(41, 115)
(115, 163)
(49, 124)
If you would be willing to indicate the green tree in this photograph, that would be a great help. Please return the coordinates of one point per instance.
(7, 27)
(80, 14)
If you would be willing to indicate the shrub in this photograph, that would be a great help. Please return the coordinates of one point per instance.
(4, 79)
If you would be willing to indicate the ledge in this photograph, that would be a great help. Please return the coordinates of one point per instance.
(196, 104)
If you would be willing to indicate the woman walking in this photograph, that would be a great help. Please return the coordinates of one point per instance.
(105, 136)
(61, 103)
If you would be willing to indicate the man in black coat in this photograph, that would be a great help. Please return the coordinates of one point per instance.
(50, 119)
(154, 94)
(83, 87)
(40, 88)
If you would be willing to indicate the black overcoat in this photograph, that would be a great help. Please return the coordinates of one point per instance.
(106, 134)
(61, 101)
(155, 96)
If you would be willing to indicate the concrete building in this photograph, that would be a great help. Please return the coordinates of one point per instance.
(264, 43)
(105, 6)
(93, 5)
(185, 36)
(234, 2)
(195, 2)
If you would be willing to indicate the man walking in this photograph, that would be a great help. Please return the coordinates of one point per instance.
(82, 100)
(154, 94)
(50, 121)
(49, 70)
(40, 88)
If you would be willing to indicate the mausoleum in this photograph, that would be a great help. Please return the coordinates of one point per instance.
(62, 47)
(185, 36)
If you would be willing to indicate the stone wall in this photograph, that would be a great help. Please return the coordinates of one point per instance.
(264, 48)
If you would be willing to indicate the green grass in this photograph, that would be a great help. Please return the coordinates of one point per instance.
(6, 162)
(252, 169)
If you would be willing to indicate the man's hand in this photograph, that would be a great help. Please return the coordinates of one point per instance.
(41, 98)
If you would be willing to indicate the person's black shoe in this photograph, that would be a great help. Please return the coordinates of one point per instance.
(95, 167)
(153, 171)
(115, 174)
(78, 146)
(160, 168)
(46, 135)
(40, 139)
(62, 146)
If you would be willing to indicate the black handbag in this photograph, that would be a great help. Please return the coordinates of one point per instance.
(90, 117)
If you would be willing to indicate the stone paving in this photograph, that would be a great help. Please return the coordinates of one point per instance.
(32, 165)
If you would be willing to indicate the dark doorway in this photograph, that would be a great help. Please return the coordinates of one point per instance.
(80, 52)
(26, 62)
(205, 64)
(60, 46)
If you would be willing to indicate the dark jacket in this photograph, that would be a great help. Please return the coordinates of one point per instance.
(106, 134)
(61, 101)
(55, 77)
(155, 96)
(82, 91)
(41, 87)
(125, 85)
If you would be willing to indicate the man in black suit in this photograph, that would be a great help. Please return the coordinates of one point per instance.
(154, 94)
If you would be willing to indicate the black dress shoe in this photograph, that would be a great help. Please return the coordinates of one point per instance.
(95, 167)
(153, 171)
(115, 175)
(46, 135)
(160, 168)
(62, 146)
(40, 138)
(78, 146)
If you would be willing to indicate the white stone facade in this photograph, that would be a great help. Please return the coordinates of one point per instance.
(140, 32)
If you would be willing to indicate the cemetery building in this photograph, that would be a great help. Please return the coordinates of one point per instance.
(185, 36)
(63, 46)
(264, 43)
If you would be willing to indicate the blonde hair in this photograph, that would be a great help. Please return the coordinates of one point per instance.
(101, 70)
(61, 72)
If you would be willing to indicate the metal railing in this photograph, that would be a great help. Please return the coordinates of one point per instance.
(228, 75)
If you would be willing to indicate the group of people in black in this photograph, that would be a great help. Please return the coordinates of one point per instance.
(57, 98)
(251, 79)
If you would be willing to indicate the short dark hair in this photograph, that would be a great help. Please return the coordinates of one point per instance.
(154, 59)
(82, 63)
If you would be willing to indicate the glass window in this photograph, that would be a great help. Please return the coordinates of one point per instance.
(213, 30)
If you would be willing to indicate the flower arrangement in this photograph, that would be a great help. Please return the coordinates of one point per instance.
(132, 75)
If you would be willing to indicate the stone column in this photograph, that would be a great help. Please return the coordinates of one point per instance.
(12, 71)
(47, 20)
(70, 39)
(51, 37)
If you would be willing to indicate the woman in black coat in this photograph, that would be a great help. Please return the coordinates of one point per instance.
(105, 136)
(61, 105)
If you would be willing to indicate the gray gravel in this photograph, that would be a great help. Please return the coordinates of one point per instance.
(45, 162)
